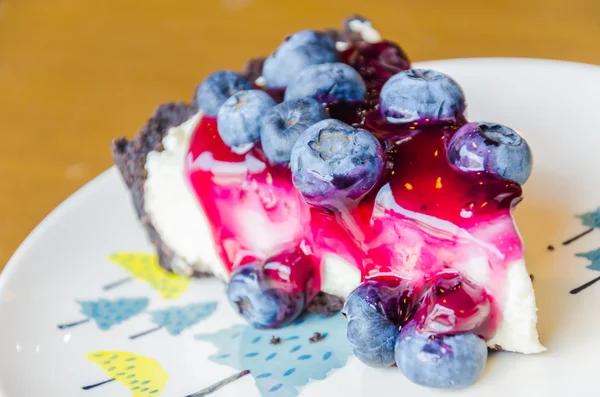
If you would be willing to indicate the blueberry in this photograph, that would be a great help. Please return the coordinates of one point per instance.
(265, 302)
(417, 94)
(216, 88)
(333, 163)
(327, 82)
(298, 51)
(440, 361)
(493, 148)
(375, 311)
(283, 124)
(239, 117)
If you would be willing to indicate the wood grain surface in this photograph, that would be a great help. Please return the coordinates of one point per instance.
(76, 73)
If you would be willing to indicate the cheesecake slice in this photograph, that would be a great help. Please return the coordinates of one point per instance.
(331, 172)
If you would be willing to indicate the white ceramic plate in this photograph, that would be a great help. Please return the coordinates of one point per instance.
(57, 277)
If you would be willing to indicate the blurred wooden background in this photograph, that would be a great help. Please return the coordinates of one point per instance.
(76, 73)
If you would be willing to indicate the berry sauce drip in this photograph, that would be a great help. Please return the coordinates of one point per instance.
(445, 230)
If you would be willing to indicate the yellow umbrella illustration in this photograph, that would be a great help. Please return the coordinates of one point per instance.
(145, 267)
(142, 375)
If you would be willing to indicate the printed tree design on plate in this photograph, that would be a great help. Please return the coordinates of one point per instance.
(145, 267)
(594, 258)
(142, 375)
(178, 318)
(589, 219)
(281, 369)
(107, 313)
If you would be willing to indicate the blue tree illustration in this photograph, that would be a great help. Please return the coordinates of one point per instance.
(589, 219)
(176, 319)
(281, 369)
(594, 258)
(107, 313)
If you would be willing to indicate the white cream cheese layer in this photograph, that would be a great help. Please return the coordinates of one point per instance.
(174, 209)
(180, 221)
(518, 330)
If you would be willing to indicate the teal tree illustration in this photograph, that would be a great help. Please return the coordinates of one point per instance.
(108, 313)
(281, 369)
(591, 220)
(176, 319)
(594, 258)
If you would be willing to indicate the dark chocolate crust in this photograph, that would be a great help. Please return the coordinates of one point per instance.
(325, 304)
(130, 158)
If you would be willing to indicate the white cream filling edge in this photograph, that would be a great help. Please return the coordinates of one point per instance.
(173, 208)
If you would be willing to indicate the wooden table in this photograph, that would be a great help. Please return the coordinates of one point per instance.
(74, 74)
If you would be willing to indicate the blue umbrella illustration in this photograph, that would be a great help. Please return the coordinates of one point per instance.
(281, 361)
(108, 313)
(176, 319)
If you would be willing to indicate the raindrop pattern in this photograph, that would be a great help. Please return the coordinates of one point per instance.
(176, 319)
(108, 313)
(281, 370)
(142, 375)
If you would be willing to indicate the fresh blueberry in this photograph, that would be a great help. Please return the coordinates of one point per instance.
(418, 94)
(264, 301)
(445, 362)
(298, 51)
(284, 123)
(375, 310)
(333, 163)
(216, 88)
(327, 82)
(239, 117)
(493, 148)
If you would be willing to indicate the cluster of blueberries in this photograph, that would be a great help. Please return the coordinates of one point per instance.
(333, 163)
(384, 330)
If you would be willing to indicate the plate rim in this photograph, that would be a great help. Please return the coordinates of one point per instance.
(53, 216)
(101, 180)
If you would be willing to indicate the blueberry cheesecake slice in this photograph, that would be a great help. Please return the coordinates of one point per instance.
(333, 176)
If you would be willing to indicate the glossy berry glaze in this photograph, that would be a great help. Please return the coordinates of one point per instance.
(450, 233)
